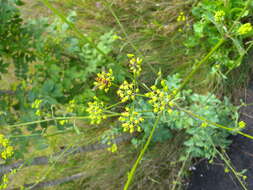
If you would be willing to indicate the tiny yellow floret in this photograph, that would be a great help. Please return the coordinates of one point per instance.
(127, 91)
(135, 64)
(7, 150)
(96, 111)
(104, 80)
(131, 121)
(219, 16)
(242, 124)
(245, 29)
(160, 99)
(181, 17)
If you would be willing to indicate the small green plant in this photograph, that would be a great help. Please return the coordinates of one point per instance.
(16, 39)
(214, 20)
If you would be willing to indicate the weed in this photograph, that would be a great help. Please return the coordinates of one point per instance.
(61, 87)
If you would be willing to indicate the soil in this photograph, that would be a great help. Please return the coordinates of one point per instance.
(212, 176)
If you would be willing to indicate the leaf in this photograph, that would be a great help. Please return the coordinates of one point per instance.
(76, 129)
(191, 41)
(189, 143)
(238, 46)
(48, 86)
(199, 29)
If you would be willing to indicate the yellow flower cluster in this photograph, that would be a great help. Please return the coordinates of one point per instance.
(113, 147)
(240, 126)
(104, 80)
(5, 179)
(71, 106)
(116, 37)
(109, 139)
(4, 182)
(245, 29)
(127, 91)
(95, 110)
(7, 151)
(38, 112)
(36, 105)
(135, 64)
(160, 98)
(63, 122)
(219, 16)
(131, 121)
(181, 17)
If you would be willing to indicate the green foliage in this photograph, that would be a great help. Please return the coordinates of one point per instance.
(65, 63)
(16, 39)
(56, 67)
(219, 19)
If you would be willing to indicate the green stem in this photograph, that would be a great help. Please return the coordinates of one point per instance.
(48, 170)
(231, 168)
(141, 95)
(114, 84)
(47, 135)
(110, 112)
(111, 106)
(245, 105)
(215, 124)
(132, 172)
(180, 172)
(145, 111)
(199, 64)
(56, 118)
(122, 28)
(46, 120)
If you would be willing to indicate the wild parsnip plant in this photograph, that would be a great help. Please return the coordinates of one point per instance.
(75, 78)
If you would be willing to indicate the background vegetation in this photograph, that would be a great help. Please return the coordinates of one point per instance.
(190, 55)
